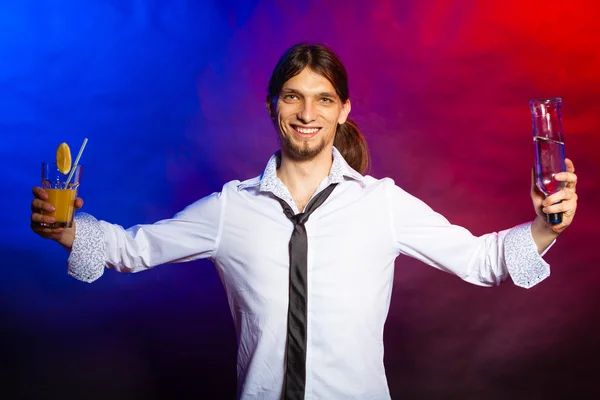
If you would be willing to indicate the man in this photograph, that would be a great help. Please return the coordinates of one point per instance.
(306, 250)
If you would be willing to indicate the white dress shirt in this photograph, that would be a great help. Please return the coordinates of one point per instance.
(353, 241)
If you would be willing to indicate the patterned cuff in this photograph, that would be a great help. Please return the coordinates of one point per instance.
(525, 266)
(87, 259)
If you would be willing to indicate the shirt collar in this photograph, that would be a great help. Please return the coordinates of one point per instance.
(269, 182)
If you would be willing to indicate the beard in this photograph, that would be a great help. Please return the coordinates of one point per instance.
(300, 151)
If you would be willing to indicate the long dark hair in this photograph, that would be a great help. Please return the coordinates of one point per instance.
(348, 138)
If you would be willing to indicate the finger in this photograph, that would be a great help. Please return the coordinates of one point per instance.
(40, 205)
(565, 211)
(556, 208)
(571, 170)
(40, 229)
(78, 203)
(48, 233)
(562, 195)
(53, 231)
(563, 206)
(569, 164)
(568, 177)
(39, 193)
(39, 218)
(559, 196)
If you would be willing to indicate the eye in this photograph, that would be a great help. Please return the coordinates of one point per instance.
(290, 97)
(326, 100)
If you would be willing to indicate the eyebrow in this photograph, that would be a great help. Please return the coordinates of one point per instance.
(322, 94)
(327, 94)
(294, 91)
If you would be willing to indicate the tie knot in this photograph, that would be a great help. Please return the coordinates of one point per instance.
(300, 218)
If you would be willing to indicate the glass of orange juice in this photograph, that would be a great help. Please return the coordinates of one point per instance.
(60, 194)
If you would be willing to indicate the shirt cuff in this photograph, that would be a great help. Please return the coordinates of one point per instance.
(525, 265)
(87, 259)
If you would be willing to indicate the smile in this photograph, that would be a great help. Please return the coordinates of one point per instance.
(305, 132)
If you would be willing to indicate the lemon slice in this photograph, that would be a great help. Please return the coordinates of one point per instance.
(63, 158)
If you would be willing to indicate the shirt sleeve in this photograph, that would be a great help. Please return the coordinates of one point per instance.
(486, 260)
(191, 234)
(86, 261)
(525, 265)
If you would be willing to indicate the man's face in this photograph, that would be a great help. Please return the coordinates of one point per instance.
(307, 113)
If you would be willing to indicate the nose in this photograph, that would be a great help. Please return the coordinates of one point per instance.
(306, 112)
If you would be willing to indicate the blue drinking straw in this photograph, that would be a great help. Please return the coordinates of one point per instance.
(76, 162)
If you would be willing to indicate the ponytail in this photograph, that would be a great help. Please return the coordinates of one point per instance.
(353, 146)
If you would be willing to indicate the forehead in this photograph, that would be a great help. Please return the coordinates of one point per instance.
(309, 81)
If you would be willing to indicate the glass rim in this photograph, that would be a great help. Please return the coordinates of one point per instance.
(546, 100)
(54, 163)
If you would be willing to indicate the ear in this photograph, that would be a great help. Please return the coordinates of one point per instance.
(346, 107)
(270, 105)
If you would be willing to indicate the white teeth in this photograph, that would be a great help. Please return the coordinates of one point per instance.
(307, 131)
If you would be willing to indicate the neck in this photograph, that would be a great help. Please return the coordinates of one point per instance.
(302, 178)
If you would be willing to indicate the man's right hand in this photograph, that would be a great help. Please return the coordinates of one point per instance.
(64, 236)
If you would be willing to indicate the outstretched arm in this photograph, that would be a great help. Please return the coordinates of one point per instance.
(94, 245)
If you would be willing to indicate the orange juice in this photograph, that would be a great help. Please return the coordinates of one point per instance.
(64, 202)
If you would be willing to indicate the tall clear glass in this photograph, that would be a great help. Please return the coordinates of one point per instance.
(549, 144)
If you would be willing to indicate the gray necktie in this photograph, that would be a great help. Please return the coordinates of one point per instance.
(295, 352)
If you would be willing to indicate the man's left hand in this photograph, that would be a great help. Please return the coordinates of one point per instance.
(564, 201)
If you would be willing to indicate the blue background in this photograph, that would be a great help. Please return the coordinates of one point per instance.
(171, 96)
